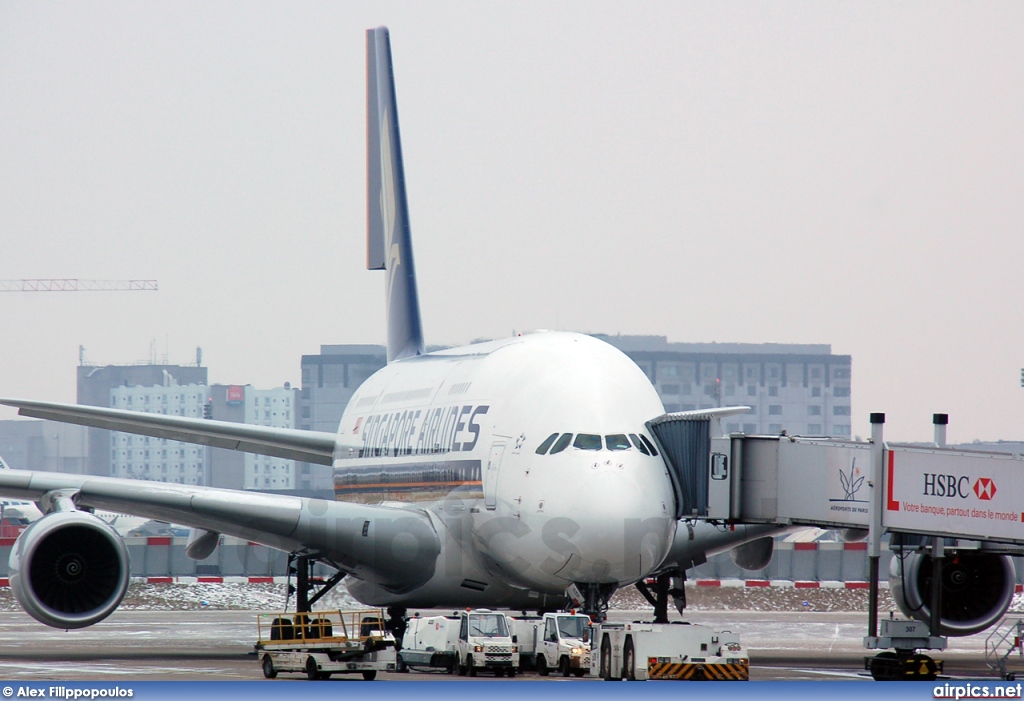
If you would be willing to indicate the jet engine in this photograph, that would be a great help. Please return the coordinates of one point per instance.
(977, 588)
(754, 555)
(69, 569)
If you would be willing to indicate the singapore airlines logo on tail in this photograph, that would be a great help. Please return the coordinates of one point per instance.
(387, 201)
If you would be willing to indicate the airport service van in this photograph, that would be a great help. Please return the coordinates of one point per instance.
(555, 641)
(323, 643)
(468, 642)
(430, 642)
(638, 651)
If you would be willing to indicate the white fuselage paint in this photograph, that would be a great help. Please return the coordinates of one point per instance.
(457, 433)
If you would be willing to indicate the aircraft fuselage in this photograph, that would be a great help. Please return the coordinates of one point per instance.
(457, 432)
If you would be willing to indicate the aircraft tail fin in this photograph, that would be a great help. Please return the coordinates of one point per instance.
(388, 238)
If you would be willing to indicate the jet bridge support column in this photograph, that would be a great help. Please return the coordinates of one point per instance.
(875, 520)
(939, 421)
(900, 639)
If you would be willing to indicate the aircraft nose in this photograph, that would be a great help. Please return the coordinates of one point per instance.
(626, 521)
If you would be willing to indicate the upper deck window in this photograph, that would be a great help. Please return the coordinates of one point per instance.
(587, 441)
(561, 444)
(617, 441)
(543, 447)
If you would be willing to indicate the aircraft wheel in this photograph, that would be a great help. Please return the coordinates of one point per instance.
(268, 667)
(281, 629)
(606, 661)
(884, 667)
(321, 628)
(629, 661)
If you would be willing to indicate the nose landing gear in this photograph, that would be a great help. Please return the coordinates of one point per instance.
(593, 598)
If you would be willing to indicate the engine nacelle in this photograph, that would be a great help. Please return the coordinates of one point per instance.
(853, 535)
(754, 555)
(977, 588)
(69, 569)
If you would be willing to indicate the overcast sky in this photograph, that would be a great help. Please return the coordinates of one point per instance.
(817, 172)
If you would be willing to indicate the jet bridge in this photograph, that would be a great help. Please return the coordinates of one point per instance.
(827, 483)
(928, 497)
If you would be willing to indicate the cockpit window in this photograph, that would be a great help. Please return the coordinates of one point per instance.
(617, 441)
(650, 446)
(638, 444)
(561, 444)
(587, 441)
(543, 447)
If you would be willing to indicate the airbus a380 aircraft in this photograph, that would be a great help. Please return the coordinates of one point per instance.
(517, 473)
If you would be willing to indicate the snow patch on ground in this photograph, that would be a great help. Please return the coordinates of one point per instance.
(762, 599)
(271, 597)
(214, 596)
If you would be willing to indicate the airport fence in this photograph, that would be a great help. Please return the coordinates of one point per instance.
(164, 556)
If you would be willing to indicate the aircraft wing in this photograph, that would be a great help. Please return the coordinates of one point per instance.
(394, 547)
(293, 444)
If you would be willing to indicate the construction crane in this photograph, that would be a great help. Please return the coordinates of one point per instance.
(76, 285)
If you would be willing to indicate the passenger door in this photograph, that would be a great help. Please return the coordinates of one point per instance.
(491, 475)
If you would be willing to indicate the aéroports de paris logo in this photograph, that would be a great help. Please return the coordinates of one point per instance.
(851, 481)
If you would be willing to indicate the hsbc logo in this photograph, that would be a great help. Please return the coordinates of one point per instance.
(985, 488)
(958, 486)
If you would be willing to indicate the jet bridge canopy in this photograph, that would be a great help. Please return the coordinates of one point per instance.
(685, 442)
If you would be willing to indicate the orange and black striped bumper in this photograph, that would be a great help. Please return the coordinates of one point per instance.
(700, 671)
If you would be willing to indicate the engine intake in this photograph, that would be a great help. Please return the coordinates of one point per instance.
(977, 589)
(69, 569)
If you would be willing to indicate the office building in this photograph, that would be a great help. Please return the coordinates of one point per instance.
(95, 383)
(159, 459)
(47, 446)
(269, 407)
(328, 381)
(802, 389)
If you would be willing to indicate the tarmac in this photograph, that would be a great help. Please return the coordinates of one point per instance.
(207, 645)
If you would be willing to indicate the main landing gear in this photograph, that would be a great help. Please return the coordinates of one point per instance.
(308, 589)
(667, 585)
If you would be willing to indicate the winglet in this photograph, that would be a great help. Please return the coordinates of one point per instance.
(388, 239)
